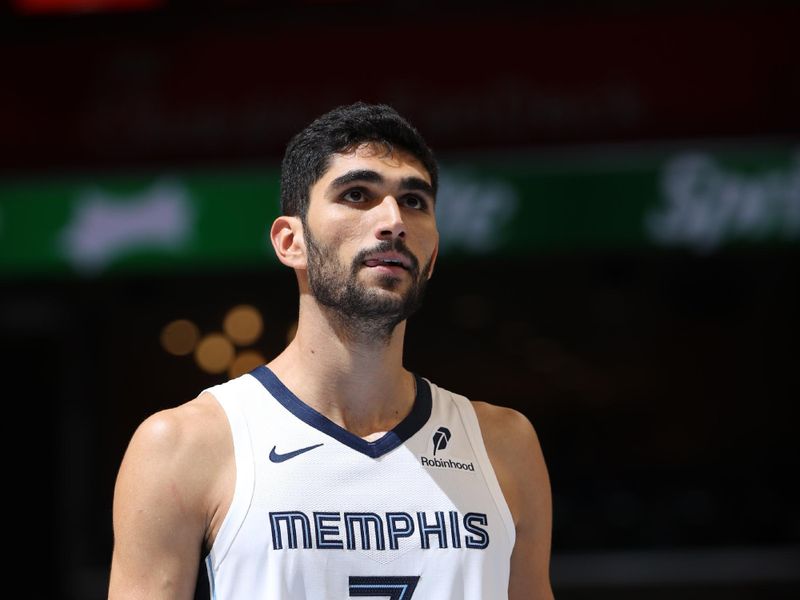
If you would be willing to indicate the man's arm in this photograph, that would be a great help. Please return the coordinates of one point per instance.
(515, 453)
(167, 499)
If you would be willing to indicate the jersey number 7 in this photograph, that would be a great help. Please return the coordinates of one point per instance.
(394, 588)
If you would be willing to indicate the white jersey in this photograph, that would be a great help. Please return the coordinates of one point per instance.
(319, 513)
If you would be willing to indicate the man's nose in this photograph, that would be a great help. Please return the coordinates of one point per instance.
(390, 223)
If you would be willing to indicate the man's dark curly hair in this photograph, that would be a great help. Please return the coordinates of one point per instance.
(342, 129)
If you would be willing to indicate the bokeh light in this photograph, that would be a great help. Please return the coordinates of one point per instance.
(214, 353)
(245, 362)
(180, 337)
(243, 324)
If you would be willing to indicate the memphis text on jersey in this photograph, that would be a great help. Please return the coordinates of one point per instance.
(378, 531)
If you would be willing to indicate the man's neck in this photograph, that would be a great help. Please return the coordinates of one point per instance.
(359, 384)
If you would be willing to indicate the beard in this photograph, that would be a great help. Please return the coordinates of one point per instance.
(361, 312)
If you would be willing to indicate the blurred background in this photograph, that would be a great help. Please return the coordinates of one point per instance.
(620, 220)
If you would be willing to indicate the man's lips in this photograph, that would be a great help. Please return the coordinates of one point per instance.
(387, 261)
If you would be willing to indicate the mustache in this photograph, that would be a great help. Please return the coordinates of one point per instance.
(397, 245)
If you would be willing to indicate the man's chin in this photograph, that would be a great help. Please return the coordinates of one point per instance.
(382, 300)
(385, 279)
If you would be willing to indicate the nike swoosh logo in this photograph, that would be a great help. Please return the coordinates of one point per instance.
(279, 458)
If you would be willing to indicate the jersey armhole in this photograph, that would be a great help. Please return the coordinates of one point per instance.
(227, 396)
(471, 424)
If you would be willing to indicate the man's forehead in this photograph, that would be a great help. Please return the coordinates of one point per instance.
(374, 155)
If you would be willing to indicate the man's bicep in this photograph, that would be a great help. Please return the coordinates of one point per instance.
(530, 565)
(530, 560)
(158, 522)
(518, 462)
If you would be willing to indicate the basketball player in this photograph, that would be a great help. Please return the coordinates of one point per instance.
(333, 472)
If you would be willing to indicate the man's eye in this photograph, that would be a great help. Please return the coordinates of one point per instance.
(355, 196)
(415, 202)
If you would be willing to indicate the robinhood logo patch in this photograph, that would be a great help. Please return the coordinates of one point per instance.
(446, 463)
(441, 438)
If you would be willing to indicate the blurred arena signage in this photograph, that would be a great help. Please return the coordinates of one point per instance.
(503, 207)
(231, 89)
(44, 7)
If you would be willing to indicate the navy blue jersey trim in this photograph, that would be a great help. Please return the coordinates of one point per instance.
(419, 415)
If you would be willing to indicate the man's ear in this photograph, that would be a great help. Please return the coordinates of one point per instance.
(287, 239)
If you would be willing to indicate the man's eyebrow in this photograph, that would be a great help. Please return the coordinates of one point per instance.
(357, 175)
(413, 184)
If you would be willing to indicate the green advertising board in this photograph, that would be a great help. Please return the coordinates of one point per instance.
(513, 206)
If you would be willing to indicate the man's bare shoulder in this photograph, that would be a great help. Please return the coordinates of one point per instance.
(168, 499)
(505, 427)
(516, 456)
(198, 425)
(188, 447)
